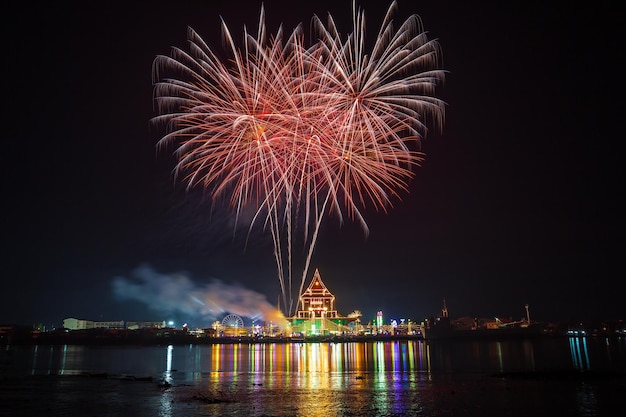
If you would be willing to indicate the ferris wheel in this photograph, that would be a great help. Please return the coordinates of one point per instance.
(232, 320)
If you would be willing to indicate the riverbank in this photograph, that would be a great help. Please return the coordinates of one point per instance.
(171, 336)
(177, 337)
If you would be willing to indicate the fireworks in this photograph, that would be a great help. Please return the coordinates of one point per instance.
(298, 131)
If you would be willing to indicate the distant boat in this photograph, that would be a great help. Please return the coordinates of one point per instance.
(444, 328)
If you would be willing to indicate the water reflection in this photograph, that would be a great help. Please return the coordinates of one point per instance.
(380, 357)
(580, 353)
(35, 356)
(61, 360)
(166, 404)
(316, 360)
(586, 400)
(585, 393)
(167, 375)
(528, 353)
(479, 356)
(320, 379)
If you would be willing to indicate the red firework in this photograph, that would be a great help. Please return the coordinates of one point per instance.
(291, 129)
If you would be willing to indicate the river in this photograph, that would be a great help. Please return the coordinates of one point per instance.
(551, 376)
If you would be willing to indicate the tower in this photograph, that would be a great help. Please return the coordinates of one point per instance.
(444, 310)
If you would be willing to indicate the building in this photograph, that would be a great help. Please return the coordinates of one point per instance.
(316, 313)
(134, 325)
(80, 324)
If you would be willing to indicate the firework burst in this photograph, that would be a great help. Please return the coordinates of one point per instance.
(297, 131)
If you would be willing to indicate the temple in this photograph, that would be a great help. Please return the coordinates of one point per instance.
(316, 314)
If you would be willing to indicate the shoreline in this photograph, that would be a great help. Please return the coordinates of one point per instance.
(129, 339)
(193, 340)
(153, 337)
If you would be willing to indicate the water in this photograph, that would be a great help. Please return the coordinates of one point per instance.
(545, 376)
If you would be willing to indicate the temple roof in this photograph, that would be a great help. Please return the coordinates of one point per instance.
(317, 287)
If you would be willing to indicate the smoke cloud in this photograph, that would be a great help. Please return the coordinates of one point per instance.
(177, 293)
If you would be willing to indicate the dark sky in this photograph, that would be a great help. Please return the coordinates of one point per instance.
(519, 200)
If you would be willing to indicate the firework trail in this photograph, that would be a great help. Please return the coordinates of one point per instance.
(299, 131)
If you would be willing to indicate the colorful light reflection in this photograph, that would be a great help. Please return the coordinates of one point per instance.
(580, 353)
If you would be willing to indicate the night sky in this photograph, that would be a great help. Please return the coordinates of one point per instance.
(519, 200)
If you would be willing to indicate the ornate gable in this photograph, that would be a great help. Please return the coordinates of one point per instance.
(316, 287)
(316, 300)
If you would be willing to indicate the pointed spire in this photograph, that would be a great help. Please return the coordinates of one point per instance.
(317, 285)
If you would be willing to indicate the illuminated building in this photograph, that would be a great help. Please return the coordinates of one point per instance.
(72, 323)
(379, 319)
(80, 324)
(316, 314)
